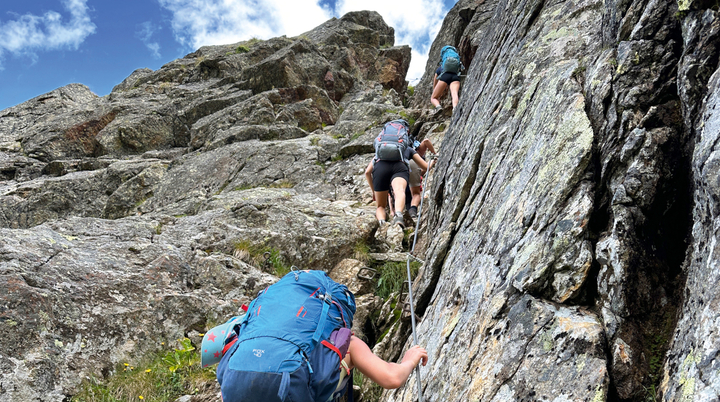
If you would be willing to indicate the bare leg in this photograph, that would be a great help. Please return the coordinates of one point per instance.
(416, 195)
(398, 185)
(391, 202)
(381, 198)
(454, 89)
(438, 92)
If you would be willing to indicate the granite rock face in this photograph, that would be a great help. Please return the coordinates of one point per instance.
(692, 368)
(569, 231)
(575, 189)
(141, 217)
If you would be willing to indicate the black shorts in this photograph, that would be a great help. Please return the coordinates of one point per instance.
(384, 172)
(449, 78)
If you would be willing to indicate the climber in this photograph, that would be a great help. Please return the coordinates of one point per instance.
(447, 75)
(414, 189)
(389, 168)
(416, 173)
(295, 343)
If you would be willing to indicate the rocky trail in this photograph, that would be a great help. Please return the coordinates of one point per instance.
(568, 236)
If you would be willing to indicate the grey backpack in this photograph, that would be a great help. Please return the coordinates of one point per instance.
(393, 141)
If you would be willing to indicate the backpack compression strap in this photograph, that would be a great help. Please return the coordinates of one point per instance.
(284, 386)
(323, 317)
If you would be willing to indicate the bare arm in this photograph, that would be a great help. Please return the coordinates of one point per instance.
(368, 177)
(420, 162)
(387, 375)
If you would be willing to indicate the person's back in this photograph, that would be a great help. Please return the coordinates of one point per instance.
(291, 344)
(447, 75)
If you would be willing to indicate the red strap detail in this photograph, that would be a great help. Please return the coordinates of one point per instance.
(229, 345)
(299, 311)
(313, 293)
(333, 348)
(244, 307)
(258, 313)
(342, 315)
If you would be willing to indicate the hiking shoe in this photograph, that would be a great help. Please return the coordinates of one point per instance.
(412, 211)
(399, 221)
(381, 222)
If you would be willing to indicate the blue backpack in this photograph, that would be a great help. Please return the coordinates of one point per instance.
(450, 61)
(290, 344)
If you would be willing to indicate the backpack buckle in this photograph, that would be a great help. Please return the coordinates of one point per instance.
(327, 298)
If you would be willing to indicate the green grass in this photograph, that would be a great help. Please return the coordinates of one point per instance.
(361, 251)
(410, 120)
(410, 90)
(321, 164)
(242, 49)
(657, 339)
(243, 188)
(275, 262)
(392, 276)
(162, 377)
(371, 391)
(282, 184)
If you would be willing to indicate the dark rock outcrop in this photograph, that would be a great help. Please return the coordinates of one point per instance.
(565, 194)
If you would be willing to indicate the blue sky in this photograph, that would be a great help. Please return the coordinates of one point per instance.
(45, 44)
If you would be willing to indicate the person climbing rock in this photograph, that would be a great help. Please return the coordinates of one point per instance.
(294, 343)
(447, 75)
(414, 190)
(416, 175)
(389, 169)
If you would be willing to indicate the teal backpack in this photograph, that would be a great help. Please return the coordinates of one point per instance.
(450, 61)
(289, 345)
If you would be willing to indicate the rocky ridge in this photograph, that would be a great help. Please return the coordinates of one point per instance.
(142, 217)
(570, 227)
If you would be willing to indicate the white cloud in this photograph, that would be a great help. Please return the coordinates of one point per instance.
(417, 66)
(147, 29)
(213, 22)
(154, 48)
(30, 33)
(416, 23)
